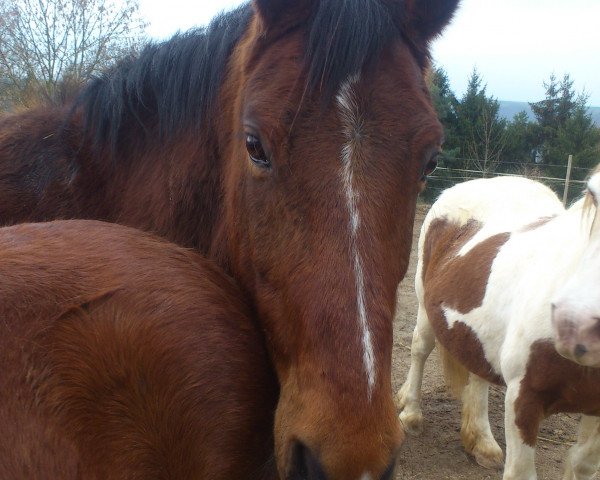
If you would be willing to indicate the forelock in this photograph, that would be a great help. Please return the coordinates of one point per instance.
(344, 36)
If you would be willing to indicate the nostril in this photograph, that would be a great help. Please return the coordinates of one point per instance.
(305, 465)
(580, 350)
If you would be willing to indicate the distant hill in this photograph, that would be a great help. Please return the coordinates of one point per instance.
(509, 109)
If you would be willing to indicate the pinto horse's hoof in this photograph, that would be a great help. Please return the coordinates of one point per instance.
(488, 456)
(400, 399)
(412, 422)
(411, 415)
(483, 447)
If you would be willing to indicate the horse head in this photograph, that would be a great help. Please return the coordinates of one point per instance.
(576, 308)
(329, 133)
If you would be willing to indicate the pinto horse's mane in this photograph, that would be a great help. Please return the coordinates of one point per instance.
(174, 84)
(589, 206)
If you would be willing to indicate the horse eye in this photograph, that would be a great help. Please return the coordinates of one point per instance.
(430, 166)
(256, 151)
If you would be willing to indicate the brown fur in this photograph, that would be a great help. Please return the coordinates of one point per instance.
(458, 282)
(282, 233)
(553, 384)
(126, 357)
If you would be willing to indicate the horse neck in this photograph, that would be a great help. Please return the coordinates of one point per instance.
(171, 188)
(576, 224)
(572, 228)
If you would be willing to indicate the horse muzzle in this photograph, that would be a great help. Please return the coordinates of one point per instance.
(306, 466)
(576, 333)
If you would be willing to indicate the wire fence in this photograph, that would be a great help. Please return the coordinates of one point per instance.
(520, 164)
(445, 176)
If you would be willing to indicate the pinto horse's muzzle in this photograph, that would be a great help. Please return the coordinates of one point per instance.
(577, 333)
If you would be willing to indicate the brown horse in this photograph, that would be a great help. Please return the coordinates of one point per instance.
(126, 357)
(288, 141)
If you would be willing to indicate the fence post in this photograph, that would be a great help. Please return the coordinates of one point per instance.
(567, 178)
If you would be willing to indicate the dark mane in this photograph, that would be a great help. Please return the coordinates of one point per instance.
(172, 85)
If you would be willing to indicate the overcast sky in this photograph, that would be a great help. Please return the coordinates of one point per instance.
(515, 44)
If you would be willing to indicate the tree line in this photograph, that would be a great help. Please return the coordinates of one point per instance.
(480, 143)
(48, 48)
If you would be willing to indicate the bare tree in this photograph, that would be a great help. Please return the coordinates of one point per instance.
(488, 139)
(44, 43)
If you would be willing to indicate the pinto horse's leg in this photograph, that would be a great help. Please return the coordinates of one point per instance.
(409, 396)
(475, 430)
(583, 459)
(520, 461)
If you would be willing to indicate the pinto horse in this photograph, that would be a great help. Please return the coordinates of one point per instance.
(492, 257)
(288, 141)
(124, 356)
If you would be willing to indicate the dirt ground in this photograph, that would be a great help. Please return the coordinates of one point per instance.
(437, 453)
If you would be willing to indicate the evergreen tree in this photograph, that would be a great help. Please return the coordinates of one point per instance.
(579, 137)
(445, 102)
(478, 139)
(566, 104)
(552, 114)
(481, 131)
(545, 110)
(519, 149)
(565, 128)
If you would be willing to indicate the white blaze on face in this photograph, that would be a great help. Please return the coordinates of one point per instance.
(351, 122)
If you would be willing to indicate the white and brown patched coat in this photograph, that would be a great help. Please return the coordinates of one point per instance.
(491, 257)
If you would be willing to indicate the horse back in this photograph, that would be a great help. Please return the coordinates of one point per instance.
(473, 211)
(509, 202)
(126, 357)
(460, 239)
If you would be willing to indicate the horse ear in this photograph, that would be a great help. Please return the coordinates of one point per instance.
(427, 18)
(276, 12)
